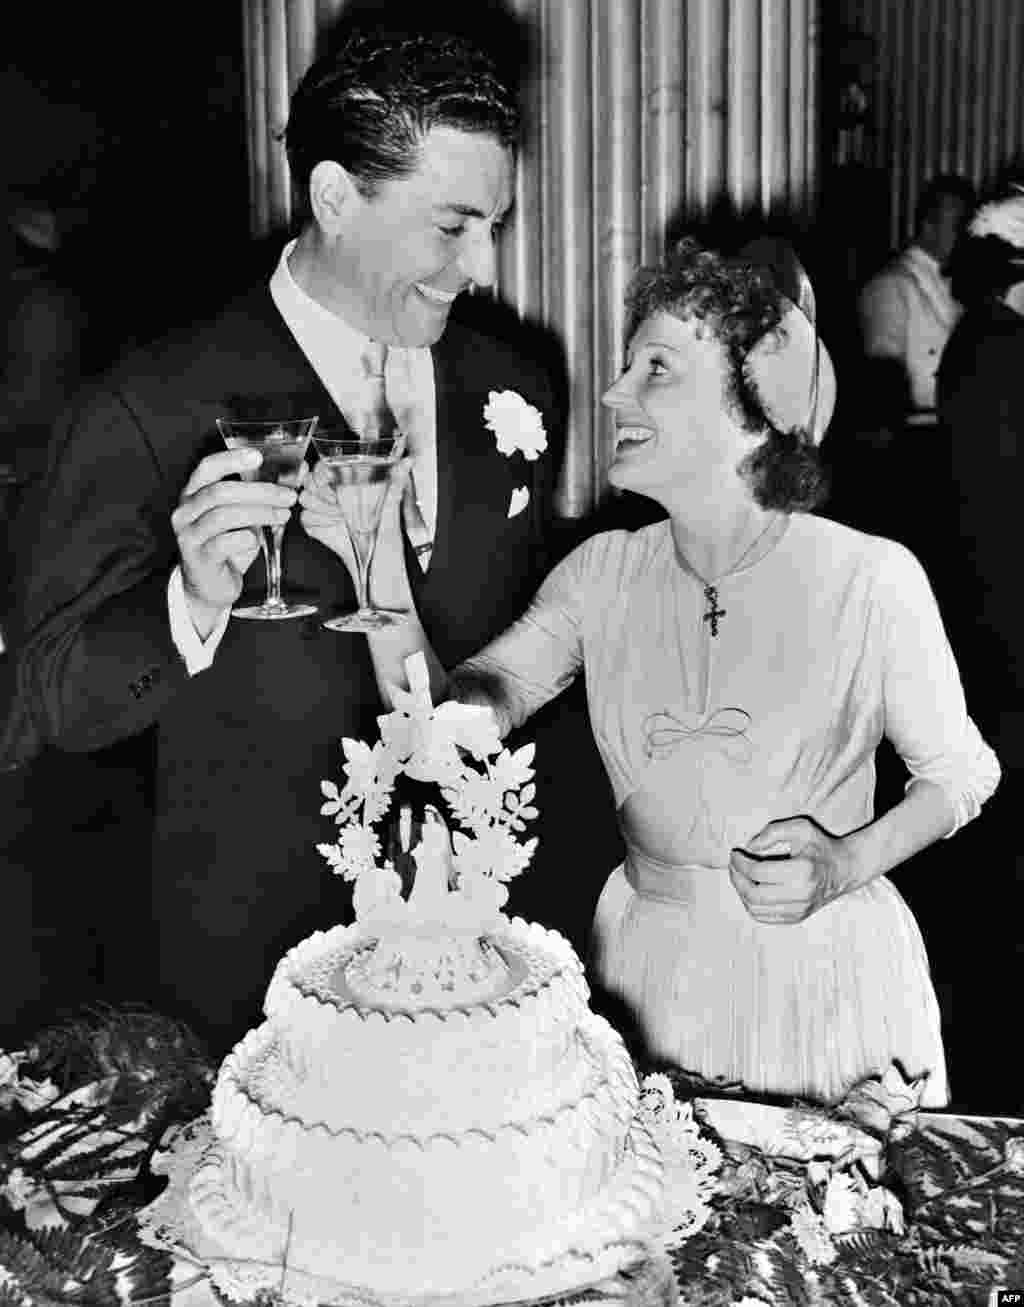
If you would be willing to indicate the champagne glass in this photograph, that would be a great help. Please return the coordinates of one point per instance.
(358, 473)
(283, 446)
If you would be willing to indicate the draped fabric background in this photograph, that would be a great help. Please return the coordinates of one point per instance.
(644, 117)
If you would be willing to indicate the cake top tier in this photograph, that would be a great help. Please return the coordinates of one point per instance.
(460, 883)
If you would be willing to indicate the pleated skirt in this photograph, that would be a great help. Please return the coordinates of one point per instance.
(805, 1010)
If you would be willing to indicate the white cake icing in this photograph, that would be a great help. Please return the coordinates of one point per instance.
(430, 1105)
(414, 1152)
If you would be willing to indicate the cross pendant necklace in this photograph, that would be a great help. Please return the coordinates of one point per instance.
(714, 614)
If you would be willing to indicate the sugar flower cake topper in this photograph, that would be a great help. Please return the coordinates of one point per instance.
(516, 424)
(460, 882)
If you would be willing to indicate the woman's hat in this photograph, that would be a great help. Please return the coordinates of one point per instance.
(794, 376)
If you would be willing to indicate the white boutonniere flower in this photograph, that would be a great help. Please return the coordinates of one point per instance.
(1002, 218)
(516, 424)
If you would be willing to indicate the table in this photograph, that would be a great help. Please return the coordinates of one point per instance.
(961, 1179)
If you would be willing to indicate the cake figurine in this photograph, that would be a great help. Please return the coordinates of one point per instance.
(431, 1110)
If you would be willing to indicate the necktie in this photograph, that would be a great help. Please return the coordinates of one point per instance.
(381, 421)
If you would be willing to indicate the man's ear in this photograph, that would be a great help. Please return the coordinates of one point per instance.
(332, 195)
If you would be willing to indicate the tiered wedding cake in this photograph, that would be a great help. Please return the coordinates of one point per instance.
(430, 1107)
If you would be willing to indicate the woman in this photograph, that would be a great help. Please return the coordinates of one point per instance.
(743, 660)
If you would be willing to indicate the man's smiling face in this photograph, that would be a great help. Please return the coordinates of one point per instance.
(401, 257)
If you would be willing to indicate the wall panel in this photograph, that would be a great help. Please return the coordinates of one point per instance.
(946, 92)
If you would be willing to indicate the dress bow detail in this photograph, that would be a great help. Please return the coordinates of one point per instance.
(664, 732)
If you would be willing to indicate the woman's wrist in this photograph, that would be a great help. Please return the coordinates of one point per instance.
(924, 815)
(859, 867)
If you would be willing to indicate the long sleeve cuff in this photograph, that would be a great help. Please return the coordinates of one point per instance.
(970, 782)
(197, 653)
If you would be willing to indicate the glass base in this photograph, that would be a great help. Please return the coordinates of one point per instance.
(276, 612)
(365, 620)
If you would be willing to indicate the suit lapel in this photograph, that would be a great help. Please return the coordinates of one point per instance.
(472, 479)
(286, 375)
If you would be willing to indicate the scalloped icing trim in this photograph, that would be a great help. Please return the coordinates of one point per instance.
(410, 1098)
(240, 1118)
(615, 1223)
(534, 1023)
(305, 972)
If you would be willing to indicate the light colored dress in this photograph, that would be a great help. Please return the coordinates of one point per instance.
(830, 641)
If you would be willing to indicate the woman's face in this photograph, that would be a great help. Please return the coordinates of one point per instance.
(672, 425)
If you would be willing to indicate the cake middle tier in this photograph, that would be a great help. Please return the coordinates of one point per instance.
(399, 1210)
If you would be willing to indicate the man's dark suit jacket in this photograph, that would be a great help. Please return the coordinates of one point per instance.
(243, 746)
(978, 579)
(981, 411)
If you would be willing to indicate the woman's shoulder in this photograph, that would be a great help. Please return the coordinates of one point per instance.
(841, 548)
(620, 551)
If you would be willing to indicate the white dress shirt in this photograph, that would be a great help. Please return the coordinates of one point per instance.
(907, 313)
(334, 349)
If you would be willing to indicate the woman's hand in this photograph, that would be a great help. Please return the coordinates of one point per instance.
(798, 868)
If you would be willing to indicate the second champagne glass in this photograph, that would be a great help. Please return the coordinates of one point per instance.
(358, 473)
(283, 447)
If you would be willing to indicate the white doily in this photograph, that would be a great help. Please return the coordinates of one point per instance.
(614, 1249)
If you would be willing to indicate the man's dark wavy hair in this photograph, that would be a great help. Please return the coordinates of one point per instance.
(369, 104)
(739, 303)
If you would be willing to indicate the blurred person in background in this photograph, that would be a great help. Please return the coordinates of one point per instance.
(73, 829)
(906, 313)
(981, 408)
(44, 325)
(977, 575)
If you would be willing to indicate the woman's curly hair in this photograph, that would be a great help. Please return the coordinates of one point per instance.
(740, 305)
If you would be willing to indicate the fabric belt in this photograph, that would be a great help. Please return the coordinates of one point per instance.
(671, 882)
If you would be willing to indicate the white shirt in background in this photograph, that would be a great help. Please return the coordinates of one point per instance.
(907, 312)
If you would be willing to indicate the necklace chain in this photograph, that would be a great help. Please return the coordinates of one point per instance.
(714, 614)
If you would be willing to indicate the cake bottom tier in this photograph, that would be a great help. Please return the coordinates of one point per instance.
(406, 1217)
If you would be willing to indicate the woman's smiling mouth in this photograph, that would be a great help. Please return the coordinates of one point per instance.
(630, 438)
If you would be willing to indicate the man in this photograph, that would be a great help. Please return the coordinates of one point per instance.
(981, 410)
(981, 405)
(403, 151)
(907, 311)
(906, 315)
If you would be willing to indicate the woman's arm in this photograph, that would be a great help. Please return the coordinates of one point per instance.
(520, 671)
(925, 814)
(794, 867)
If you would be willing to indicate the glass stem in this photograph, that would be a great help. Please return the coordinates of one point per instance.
(271, 540)
(362, 545)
